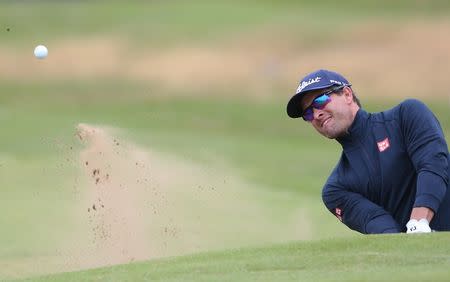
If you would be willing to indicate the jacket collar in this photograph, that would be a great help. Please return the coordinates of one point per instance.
(357, 130)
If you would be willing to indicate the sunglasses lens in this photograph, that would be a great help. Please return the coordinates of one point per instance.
(321, 101)
(318, 103)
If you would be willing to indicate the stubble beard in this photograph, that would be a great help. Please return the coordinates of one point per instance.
(336, 129)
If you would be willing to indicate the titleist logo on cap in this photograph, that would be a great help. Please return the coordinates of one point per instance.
(308, 82)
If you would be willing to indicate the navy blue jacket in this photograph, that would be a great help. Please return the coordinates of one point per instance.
(391, 162)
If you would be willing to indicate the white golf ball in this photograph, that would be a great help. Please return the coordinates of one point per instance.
(40, 52)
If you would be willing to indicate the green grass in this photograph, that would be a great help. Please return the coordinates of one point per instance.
(35, 199)
(172, 22)
(365, 258)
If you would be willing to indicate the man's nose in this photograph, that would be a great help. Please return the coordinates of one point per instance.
(318, 113)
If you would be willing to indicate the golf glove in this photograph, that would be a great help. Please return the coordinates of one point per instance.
(418, 226)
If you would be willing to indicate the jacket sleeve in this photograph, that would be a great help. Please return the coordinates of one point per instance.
(428, 151)
(356, 211)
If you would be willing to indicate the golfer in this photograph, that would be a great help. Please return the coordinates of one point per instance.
(393, 173)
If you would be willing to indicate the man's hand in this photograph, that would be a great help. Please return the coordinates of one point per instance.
(418, 226)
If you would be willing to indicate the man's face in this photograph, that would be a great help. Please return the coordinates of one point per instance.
(336, 117)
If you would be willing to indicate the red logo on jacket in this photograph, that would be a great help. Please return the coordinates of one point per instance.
(383, 145)
(338, 213)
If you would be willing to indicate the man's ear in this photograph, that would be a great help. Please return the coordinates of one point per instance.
(348, 94)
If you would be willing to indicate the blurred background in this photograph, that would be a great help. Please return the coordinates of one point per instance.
(199, 89)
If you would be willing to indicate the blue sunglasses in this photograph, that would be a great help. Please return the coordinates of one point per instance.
(319, 103)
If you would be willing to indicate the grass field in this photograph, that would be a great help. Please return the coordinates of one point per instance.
(193, 167)
(416, 258)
